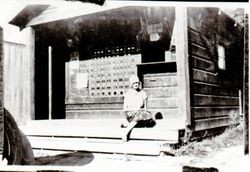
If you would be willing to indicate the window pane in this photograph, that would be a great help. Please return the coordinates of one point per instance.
(221, 58)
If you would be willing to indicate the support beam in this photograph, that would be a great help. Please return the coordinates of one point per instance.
(182, 61)
(246, 89)
(31, 57)
(1, 95)
(50, 81)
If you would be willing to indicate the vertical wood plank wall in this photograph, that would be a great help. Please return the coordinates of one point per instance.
(214, 93)
(18, 79)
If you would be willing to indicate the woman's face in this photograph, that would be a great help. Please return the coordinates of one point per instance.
(136, 85)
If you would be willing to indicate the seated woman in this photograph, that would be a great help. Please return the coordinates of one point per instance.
(135, 106)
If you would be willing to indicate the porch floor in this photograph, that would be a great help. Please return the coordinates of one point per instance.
(102, 135)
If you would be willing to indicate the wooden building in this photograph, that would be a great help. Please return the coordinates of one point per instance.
(190, 61)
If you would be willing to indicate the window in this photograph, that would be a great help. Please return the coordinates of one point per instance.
(221, 58)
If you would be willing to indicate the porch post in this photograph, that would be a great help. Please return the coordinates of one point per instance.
(182, 63)
(246, 92)
(1, 95)
(31, 84)
(50, 81)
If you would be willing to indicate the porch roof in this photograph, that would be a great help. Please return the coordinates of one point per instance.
(36, 14)
(97, 27)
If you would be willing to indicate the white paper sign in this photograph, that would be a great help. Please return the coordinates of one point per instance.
(74, 64)
(82, 80)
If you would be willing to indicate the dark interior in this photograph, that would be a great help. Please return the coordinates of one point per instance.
(87, 34)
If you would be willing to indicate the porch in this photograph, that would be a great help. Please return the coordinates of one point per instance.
(103, 136)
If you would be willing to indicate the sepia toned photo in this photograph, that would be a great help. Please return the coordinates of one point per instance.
(123, 85)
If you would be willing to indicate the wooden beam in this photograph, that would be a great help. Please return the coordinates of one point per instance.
(50, 81)
(246, 92)
(32, 73)
(182, 60)
(31, 58)
(67, 81)
(1, 94)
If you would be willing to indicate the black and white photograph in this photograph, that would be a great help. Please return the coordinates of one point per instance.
(113, 85)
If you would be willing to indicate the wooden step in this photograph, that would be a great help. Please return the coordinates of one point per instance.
(171, 124)
(167, 113)
(101, 136)
(95, 106)
(90, 99)
(95, 114)
(167, 130)
(103, 132)
(108, 146)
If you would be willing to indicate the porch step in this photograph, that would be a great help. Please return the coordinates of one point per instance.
(171, 124)
(101, 136)
(167, 113)
(103, 132)
(136, 147)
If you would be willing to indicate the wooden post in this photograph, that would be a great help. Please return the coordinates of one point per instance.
(246, 88)
(1, 95)
(182, 63)
(50, 82)
(240, 102)
(31, 84)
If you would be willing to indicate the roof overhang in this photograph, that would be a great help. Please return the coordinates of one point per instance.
(27, 14)
(37, 14)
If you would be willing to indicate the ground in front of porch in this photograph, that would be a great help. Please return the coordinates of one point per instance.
(223, 152)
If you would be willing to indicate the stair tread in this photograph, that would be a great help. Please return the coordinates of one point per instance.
(114, 146)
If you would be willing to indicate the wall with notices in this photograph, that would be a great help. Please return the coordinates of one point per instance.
(98, 84)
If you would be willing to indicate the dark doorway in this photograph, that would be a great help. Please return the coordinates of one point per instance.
(58, 82)
(42, 79)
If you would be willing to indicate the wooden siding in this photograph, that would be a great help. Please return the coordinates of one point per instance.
(160, 81)
(16, 81)
(161, 89)
(161, 92)
(19, 77)
(214, 93)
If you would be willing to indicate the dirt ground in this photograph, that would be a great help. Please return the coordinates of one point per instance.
(229, 159)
